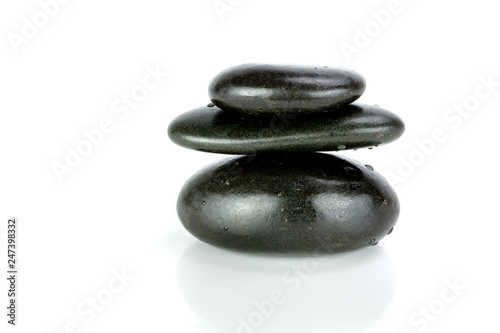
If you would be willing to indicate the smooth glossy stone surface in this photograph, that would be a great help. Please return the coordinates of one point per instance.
(214, 130)
(261, 88)
(288, 203)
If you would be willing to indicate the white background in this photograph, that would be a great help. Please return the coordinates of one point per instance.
(116, 210)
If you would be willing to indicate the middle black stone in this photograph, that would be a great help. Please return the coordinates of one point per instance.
(214, 130)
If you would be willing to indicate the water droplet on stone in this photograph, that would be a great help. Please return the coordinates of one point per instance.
(299, 208)
(228, 182)
(341, 147)
(351, 171)
(369, 167)
(226, 228)
(280, 194)
(354, 186)
(390, 231)
(385, 202)
(373, 242)
(210, 105)
(203, 203)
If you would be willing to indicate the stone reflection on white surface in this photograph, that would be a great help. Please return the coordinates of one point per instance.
(245, 293)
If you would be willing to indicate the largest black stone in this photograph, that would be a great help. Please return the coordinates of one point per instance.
(288, 203)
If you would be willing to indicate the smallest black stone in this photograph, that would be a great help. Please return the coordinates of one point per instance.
(271, 89)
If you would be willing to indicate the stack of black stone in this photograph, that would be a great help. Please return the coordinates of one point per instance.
(282, 196)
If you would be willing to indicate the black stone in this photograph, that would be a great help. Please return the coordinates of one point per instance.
(354, 126)
(260, 88)
(288, 203)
